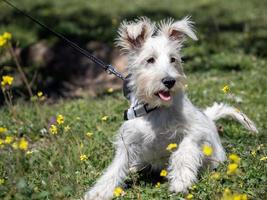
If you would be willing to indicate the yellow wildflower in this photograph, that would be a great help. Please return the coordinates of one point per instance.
(3, 129)
(2, 181)
(8, 139)
(1, 142)
(263, 158)
(158, 185)
(23, 144)
(53, 129)
(66, 128)
(40, 94)
(83, 157)
(118, 192)
(232, 168)
(163, 173)
(15, 145)
(2, 41)
(253, 153)
(89, 134)
(227, 194)
(110, 90)
(7, 35)
(226, 89)
(189, 196)
(193, 187)
(171, 146)
(234, 158)
(215, 175)
(244, 197)
(207, 150)
(104, 118)
(60, 119)
(7, 80)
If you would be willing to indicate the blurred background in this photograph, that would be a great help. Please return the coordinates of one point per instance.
(231, 34)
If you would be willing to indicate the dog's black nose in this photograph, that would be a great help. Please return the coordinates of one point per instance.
(168, 82)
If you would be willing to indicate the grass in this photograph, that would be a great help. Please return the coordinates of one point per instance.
(54, 169)
(231, 50)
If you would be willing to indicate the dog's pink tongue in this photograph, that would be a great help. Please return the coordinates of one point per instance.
(165, 96)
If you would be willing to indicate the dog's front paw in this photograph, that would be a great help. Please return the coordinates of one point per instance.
(178, 186)
(96, 194)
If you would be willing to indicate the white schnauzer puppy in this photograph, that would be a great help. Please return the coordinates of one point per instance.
(160, 111)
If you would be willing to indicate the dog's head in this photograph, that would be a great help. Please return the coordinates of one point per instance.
(154, 57)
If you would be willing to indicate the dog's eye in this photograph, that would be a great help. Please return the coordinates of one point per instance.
(151, 60)
(173, 59)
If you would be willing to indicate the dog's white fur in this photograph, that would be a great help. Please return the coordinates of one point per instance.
(142, 141)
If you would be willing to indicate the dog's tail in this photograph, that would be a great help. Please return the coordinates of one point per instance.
(221, 110)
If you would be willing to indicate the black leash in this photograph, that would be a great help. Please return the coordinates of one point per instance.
(107, 67)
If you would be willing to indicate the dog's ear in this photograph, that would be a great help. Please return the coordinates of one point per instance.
(178, 30)
(133, 34)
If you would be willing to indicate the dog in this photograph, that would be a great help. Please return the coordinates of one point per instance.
(165, 114)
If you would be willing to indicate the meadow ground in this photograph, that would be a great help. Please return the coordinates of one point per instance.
(52, 168)
(231, 51)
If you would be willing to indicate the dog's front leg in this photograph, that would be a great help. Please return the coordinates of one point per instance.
(112, 177)
(184, 165)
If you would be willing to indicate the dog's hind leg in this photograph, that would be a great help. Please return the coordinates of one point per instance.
(113, 176)
(184, 165)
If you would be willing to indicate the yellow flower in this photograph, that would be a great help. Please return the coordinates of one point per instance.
(263, 158)
(60, 119)
(110, 90)
(193, 187)
(67, 128)
(23, 144)
(2, 41)
(8, 139)
(104, 118)
(7, 35)
(3, 129)
(226, 89)
(2, 181)
(215, 175)
(207, 150)
(40, 94)
(234, 158)
(89, 134)
(163, 173)
(227, 194)
(53, 129)
(237, 197)
(118, 192)
(232, 168)
(244, 197)
(158, 185)
(171, 146)
(15, 145)
(2, 141)
(7, 80)
(83, 157)
(253, 153)
(189, 196)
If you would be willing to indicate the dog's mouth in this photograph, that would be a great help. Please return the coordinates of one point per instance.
(164, 95)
